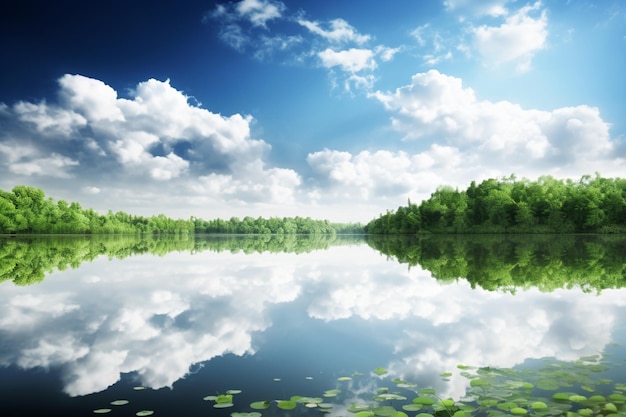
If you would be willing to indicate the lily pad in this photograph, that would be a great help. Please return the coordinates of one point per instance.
(222, 405)
(423, 400)
(364, 414)
(344, 378)
(380, 371)
(412, 407)
(119, 402)
(251, 414)
(260, 405)
(518, 411)
(144, 413)
(102, 410)
(384, 411)
(287, 404)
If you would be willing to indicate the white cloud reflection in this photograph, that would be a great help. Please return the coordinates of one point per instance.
(157, 316)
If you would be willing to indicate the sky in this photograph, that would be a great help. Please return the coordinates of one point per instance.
(323, 109)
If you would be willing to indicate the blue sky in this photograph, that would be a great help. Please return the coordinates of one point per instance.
(327, 109)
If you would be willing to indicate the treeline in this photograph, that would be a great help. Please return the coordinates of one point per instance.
(26, 210)
(507, 263)
(27, 260)
(548, 205)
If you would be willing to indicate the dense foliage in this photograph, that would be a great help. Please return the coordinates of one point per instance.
(27, 260)
(497, 262)
(548, 205)
(26, 210)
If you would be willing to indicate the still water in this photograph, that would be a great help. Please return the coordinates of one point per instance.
(209, 326)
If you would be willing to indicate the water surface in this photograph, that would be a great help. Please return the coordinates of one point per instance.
(83, 321)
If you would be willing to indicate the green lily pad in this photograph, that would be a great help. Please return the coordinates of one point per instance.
(222, 405)
(287, 404)
(224, 399)
(449, 402)
(233, 391)
(364, 414)
(423, 400)
(426, 391)
(518, 411)
(251, 414)
(380, 371)
(384, 411)
(538, 405)
(355, 408)
(119, 402)
(412, 407)
(577, 398)
(260, 405)
(102, 410)
(143, 413)
(344, 378)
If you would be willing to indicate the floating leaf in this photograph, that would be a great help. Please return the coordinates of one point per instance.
(384, 411)
(423, 400)
(355, 408)
(610, 407)
(287, 404)
(561, 396)
(461, 413)
(224, 399)
(364, 414)
(102, 410)
(119, 402)
(309, 377)
(252, 414)
(222, 405)
(577, 398)
(260, 405)
(449, 402)
(617, 398)
(210, 398)
(380, 371)
(233, 391)
(426, 391)
(585, 412)
(139, 388)
(331, 392)
(144, 413)
(276, 379)
(518, 411)
(412, 407)
(424, 415)
(445, 374)
(344, 378)
(478, 382)
(597, 398)
(538, 405)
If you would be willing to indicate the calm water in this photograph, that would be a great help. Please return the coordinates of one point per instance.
(83, 322)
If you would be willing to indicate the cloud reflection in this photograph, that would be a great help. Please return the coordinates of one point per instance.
(157, 316)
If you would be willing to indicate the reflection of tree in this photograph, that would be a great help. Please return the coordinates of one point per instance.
(27, 260)
(499, 262)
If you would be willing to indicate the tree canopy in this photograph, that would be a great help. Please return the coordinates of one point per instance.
(26, 210)
(508, 205)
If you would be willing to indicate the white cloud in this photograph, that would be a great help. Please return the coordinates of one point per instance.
(260, 11)
(477, 7)
(499, 135)
(152, 142)
(350, 60)
(340, 31)
(516, 40)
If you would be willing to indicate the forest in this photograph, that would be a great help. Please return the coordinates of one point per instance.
(508, 205)
(26, 210)
(27, 260)
(510, 262)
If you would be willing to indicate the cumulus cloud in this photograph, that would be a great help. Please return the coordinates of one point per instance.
(339, 31)
(151, 138)
(351, 60)
(438, 106)
(516, 40)
(260, 11)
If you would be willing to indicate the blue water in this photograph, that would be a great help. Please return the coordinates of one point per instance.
(186, 326)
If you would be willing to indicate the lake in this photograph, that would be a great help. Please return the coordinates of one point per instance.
(308, 325)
